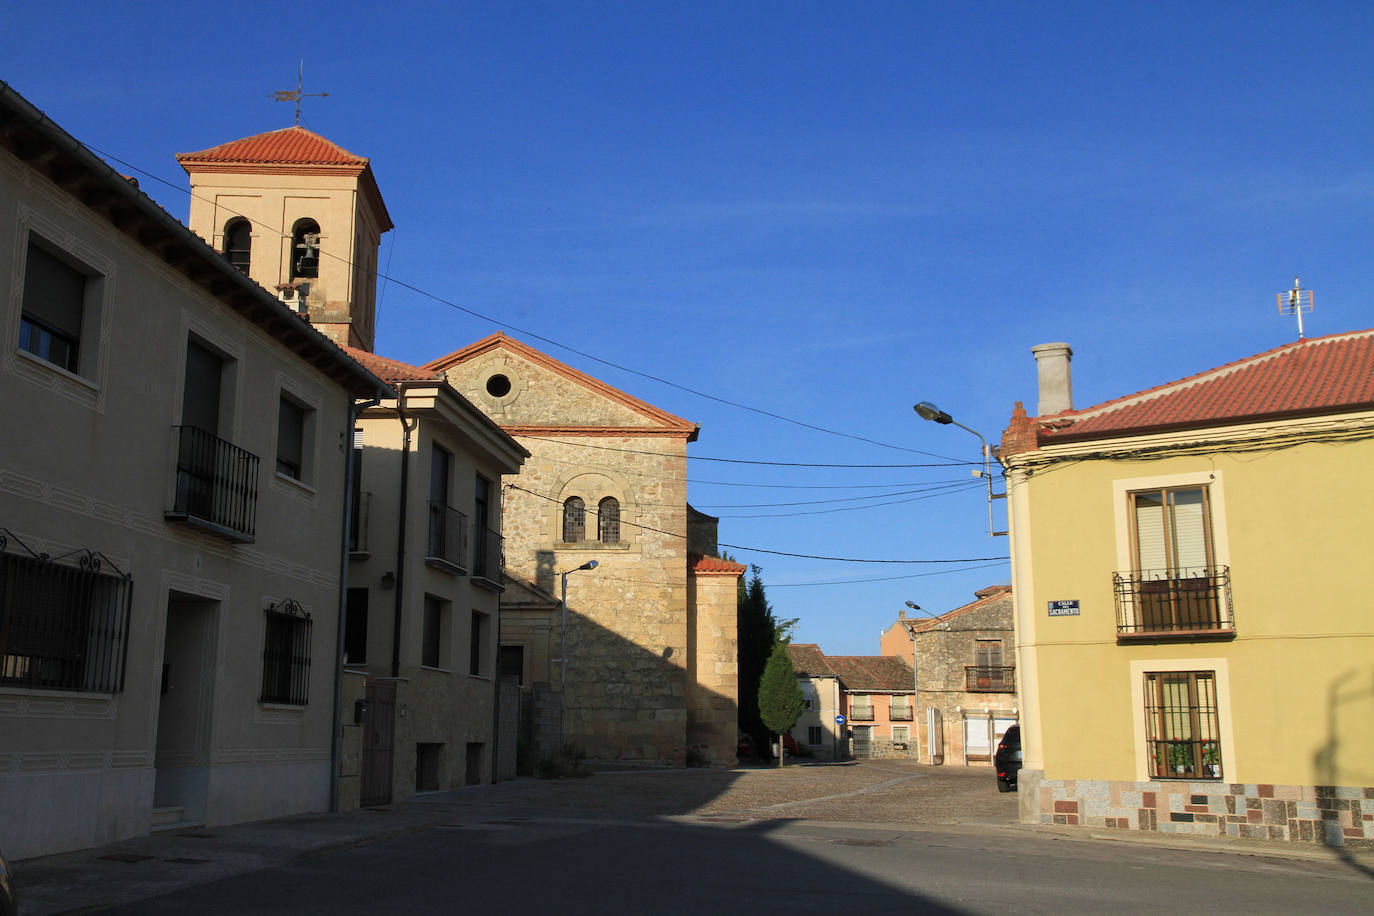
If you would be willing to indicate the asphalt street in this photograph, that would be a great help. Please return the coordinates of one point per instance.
(865, 837)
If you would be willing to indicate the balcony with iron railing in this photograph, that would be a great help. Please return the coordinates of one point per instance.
(448, 532)
(1185, 603)
(216, 485)
(861, 713)
(899, 713)
(488, 558)
(990, 678)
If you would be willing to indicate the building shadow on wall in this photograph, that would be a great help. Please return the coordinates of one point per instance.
(1349, 711)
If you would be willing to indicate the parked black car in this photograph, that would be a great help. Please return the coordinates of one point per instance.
(1007, 760)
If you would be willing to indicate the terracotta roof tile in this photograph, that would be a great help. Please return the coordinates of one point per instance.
(391, 370)
(703, 565)
(872, 673)
(288, 146)
(809, 660)
(1308, 377)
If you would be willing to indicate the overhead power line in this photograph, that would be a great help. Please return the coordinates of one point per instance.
(536, 336)
(776, 553)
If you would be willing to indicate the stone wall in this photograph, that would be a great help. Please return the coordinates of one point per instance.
(636, 645)
(1326, 815)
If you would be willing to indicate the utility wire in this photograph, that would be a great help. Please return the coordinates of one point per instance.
(952, 462)
(548, 340)
(776, 553)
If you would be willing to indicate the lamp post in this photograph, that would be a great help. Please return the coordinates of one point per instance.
(563, 662)
(928, 411)
(915, 685)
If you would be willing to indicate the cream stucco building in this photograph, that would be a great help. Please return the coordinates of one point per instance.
(1196, 653)
(304, 217)
(171, 516)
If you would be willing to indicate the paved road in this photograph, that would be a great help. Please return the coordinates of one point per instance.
(866, 838)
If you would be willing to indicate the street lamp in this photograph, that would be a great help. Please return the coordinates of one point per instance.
(928, 411)
(563, 662)
(915, 685)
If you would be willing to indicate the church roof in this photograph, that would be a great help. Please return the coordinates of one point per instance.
(715, 566)
(288, 146)
(1320, 375)
(666, 422)
(290, 151)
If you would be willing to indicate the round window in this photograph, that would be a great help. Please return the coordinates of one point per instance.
(498, 386)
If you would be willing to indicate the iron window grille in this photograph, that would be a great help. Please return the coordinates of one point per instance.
(1182, 726)
(448, 531)
(286, 655)
(989, 678)
(1187, 601)
(64, 621)
(216, 485)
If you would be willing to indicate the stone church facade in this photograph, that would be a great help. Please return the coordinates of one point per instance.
(650, 667)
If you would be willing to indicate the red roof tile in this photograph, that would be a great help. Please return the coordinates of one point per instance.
(1309, 377)
(715, 566)
(288, 146)
(862, 673)
(809, 660)
(391, 370)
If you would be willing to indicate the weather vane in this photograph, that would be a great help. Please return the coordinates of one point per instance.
(295, 95)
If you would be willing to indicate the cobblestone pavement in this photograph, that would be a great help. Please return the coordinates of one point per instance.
(872, 791)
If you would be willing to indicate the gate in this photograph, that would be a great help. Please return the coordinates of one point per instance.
(379, 731)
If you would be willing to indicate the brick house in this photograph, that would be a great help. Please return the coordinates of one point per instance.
(872, 692)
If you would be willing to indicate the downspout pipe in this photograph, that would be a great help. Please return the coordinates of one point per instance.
(355, 410)
(409, 426)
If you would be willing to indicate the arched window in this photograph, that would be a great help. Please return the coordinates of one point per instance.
(238, 242)
(305, 248)
(608, 521)
(574, 520)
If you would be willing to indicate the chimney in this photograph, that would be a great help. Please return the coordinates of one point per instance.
(1056, 385)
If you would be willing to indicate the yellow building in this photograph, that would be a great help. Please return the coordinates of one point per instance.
(1196, 651)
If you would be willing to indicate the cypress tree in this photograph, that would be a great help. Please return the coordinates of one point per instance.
(780, 696)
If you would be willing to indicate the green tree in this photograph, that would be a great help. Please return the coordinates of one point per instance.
(780, 696)
(759, 630)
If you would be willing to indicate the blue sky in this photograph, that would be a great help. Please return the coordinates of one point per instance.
(823, 211)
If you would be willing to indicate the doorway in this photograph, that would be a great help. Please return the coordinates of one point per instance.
(185, 710)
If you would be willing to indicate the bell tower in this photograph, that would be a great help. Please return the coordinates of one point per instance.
(300, 215)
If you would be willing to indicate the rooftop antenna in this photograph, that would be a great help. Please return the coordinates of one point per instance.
(1294, 302)
(295, 95)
